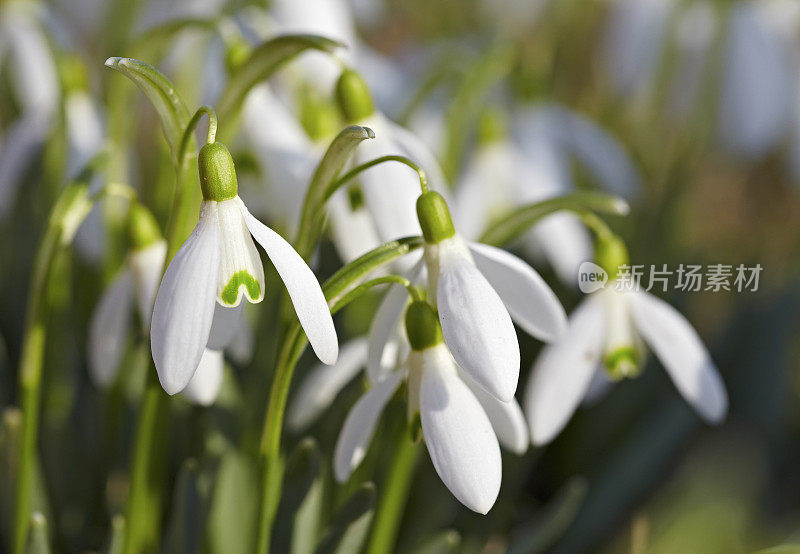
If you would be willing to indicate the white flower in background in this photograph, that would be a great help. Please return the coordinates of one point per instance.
(477, 290)
(634, 43)
(219, 265)
(500, 178)
(760, 78)
(35, 86)
(461, 424)
(605, 335)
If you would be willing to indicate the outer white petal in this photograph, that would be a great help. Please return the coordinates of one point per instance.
(420, 153)
(353, 231)
(563, 371)
(204, 386)
(108, 329)
(476, 325)
(686, 359)
(507, 419)
(146, 266)
(185, 303)
(323, 384)
(225, 324)
(459, 437)
(566, 244)
(239, 256)
(304, 290)
(84, 129)
(351, 446)
(530, 301)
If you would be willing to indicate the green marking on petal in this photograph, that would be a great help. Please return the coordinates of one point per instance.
(622, 362)
(231, 291)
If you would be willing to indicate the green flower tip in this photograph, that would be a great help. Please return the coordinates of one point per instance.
(353, 96)
(217, 173)
(143, 229)
(622, 362)
(73, 74)
(319, 116)
(236, 54)
(493, 126)
(434, 217)
(611, 253)
(422, 326)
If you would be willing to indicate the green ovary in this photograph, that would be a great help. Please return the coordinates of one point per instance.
(231, 291)
(622, 362)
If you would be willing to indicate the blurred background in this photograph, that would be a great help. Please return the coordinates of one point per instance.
(688, 109)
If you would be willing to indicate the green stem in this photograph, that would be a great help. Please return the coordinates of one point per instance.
(336, 185)
(339, 291)
(394, 497)
(187, 134)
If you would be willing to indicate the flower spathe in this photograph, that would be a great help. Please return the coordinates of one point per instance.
(605, 330)
(219, 264)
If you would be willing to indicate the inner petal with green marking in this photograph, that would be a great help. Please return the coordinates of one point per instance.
(242, 279)
(241, 272)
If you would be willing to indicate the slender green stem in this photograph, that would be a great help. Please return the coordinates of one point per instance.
(394, 496)
(339, 291)
(344, 179)
(187, 134)
(596, 224)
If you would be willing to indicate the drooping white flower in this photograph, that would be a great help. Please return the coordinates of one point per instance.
(461, 424)
(219, 264)
(605, 334)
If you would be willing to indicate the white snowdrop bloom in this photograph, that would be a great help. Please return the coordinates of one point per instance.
(500, 178)
(477, 290)
(219, 264)
(84, 126)
(203, 387)
(634, 43)
(461, 424)
(759, 84)
(605, 333)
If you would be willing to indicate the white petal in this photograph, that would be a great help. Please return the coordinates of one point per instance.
(459, 438)
(108, 329)
(566, 243)
(600, 385)
(204, 386)
(421, 154)
(530, 301)
(563, 371)
(352, 230)
(84, 130)
(20, 146)
(323, 384)
(351, 446)
(224, 326)
(384, 328)
(146, 266)
(240, 269)
(476, 325)
(185, 303)
(686, 359)
(304, 290)
(507, 419)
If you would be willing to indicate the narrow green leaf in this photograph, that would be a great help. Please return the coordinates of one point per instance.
(349, 529)
(158, 36)
(521, 219)
(312, 218)
(38, 542)
(232, 517)
(262, 63)
(540, 534)
(161, 92)
(184, 532)
(117, 541)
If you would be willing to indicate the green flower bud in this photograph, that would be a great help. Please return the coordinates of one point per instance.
(236, 54)
(434, 217)
(217, 173)
(319, 116)
(422, 326)
(143, 229)
(493, 126)
(72, 74)
(610, 254)
(353, 96)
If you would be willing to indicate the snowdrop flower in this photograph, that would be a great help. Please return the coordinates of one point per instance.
(500, 178)
(605, 335)
(219, 265)
(461, 424)
(476, 289)
(760, 76)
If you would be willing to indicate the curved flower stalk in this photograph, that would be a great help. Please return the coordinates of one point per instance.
(605, 334)
(760, 78)
(634, 43)
(461, 424)
(499, 178)
(36, 88)
(477, 290)
(219, 265)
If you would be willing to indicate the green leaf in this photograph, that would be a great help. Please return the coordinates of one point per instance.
(540, 534)
(781, 549)
(161, 92)
(262, 63)
(312, 217)
(184, 533)
(158, 36)
(349, 529)
(521, 219)
(232, 517)
(298, 520)
(37, 535)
